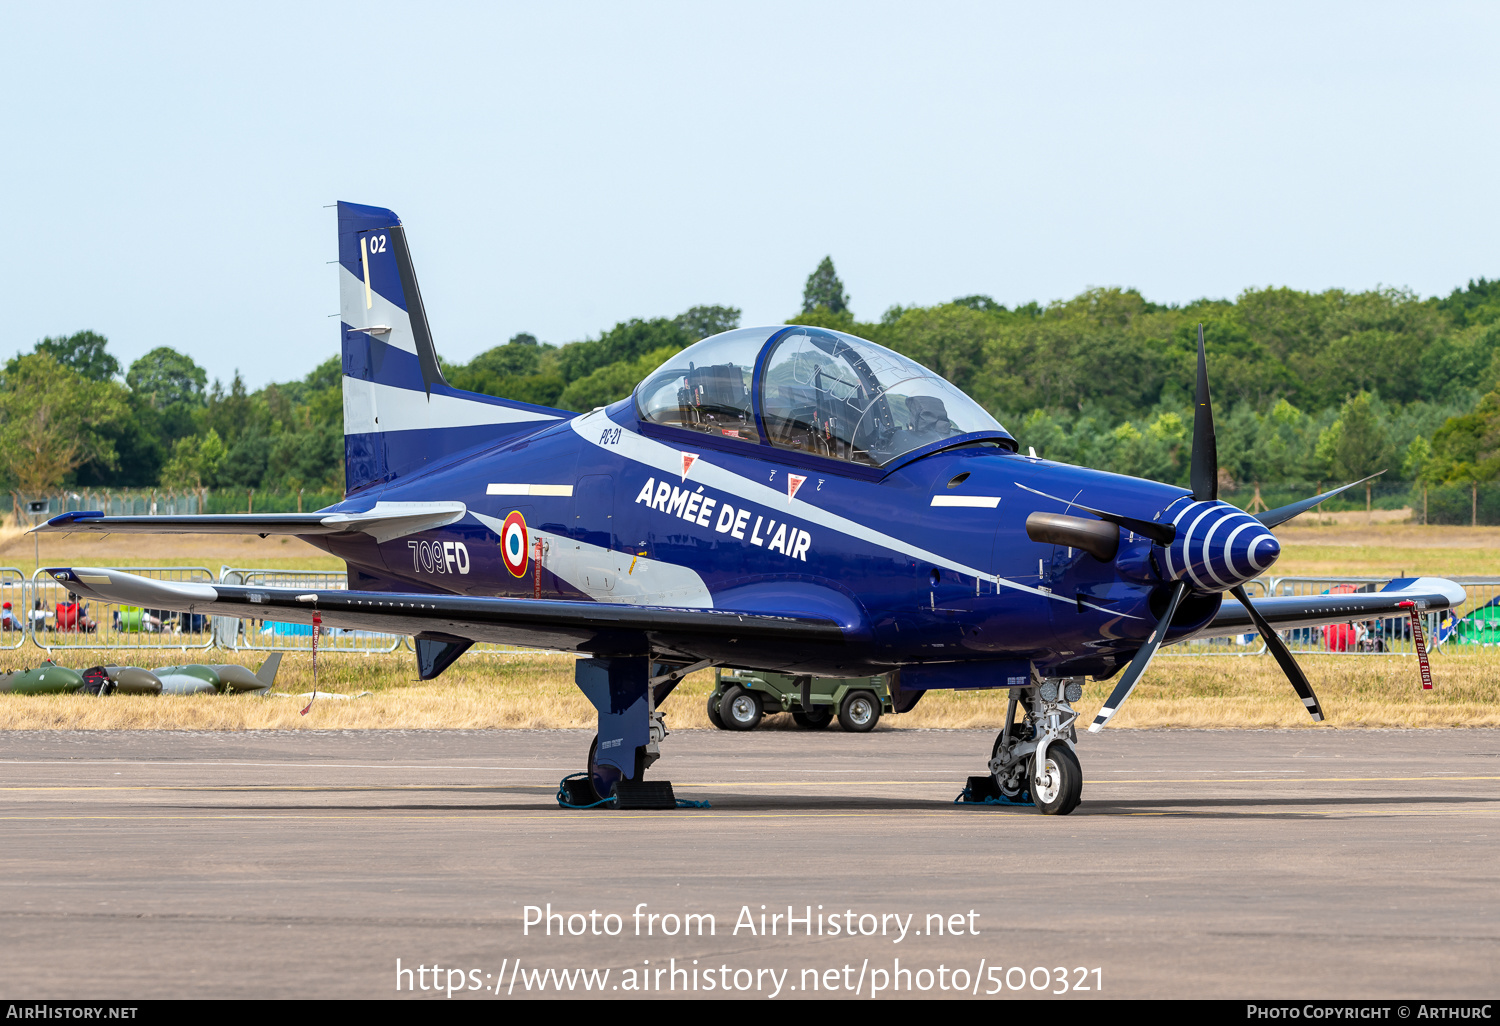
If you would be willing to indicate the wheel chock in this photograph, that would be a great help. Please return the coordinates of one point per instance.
(984, 791)
(645, 794)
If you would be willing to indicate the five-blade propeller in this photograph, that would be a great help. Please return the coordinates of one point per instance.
(1204, 477)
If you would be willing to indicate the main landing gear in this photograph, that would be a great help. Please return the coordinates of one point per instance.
(1033, 761)
(631, 730)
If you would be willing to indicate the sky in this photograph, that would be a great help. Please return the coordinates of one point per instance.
(563, 167)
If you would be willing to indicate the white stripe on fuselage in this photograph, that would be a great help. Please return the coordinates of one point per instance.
(402, 409)
(666, 459)
(609, 576)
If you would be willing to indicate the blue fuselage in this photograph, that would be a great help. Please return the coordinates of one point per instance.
(926, 563)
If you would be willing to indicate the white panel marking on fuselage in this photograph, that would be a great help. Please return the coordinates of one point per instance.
(566, 491)
(402, 409)
(970, 501)
(618, 577)
(666, 459)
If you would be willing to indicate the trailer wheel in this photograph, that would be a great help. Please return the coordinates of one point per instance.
(713, 711)
(740, 709)
(816, 718)
(859, 712)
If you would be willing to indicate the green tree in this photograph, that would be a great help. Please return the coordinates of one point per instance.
(1479, 303)
(195, 461)
(824, 289)
(613, 382)
(627, 341)
(952, 339)
(236, 413)
(700, 322)
(984, 304)
(1355, 445)
(84, 352)
(53, 421)
(167, 378)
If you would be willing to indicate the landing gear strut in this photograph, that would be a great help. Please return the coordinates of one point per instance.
(631, 729)
(1035, 756)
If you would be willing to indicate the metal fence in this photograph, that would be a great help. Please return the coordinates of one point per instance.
(13, 617)
(1456, 631)
(273, 635)
(55, 620)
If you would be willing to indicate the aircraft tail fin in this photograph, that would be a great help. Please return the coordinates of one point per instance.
(400, 415)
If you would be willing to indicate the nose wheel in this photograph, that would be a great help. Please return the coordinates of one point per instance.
(1034, 757)
(1057, 785)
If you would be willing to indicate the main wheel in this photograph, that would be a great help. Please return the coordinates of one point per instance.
(1057, 792)
(605, 776)
(816, 718)
(860, 712)
(602, 778)
(713, 711)
(740, 709)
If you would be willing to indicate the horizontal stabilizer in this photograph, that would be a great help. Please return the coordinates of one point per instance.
(599, 627)
(385, 522)
(1284, 612)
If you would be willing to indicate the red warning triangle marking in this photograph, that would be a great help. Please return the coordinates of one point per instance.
(793, 482)
(688, 459)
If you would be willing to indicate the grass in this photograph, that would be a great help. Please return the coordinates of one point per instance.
(1386, 550)
(536, 691)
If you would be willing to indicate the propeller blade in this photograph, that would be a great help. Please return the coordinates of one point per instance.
(1283, 655)
(1143, 657)
(1281, 514)
(1205, 460)
(1162, 533)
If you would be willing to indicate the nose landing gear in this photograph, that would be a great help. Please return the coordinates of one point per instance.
(1034, 758)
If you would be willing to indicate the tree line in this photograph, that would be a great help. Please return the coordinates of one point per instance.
(1309, 387)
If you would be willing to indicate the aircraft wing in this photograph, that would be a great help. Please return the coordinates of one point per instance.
(1289, 611)
(387, 521)
(595, 627)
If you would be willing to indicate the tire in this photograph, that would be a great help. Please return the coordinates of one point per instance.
(859, 712)
(604, 778)
(740, 709)
(593, 779)
(713, 711)
(1061, 796)
(819, 717)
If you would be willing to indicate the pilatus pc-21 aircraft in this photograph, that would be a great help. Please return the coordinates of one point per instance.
(783, 498)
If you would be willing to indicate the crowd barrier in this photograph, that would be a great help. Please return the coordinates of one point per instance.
(236, 633)
(40, 610)
(55, 622)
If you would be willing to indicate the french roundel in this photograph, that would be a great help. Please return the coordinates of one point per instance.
(514, 544)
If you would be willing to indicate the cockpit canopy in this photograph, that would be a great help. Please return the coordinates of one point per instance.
(822, 392)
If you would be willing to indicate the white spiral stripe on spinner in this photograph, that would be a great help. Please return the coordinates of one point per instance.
(1229, 548)
(1171, 567)
(1255, 544)
(1208, 562)
(1187, 548)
